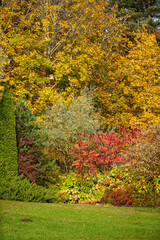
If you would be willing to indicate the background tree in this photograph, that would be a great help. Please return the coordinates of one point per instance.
(140, 12)
(8, 142)
(130, 89)
(53, 46)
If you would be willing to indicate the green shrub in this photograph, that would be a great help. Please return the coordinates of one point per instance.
(77, 189)
(8, 142)
(2, 168)
(17, 188)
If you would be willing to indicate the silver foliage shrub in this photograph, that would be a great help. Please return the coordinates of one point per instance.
(65, 122)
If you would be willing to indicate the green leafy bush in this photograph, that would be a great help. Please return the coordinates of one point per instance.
(119, 197)
(17, 188)
(77, 189)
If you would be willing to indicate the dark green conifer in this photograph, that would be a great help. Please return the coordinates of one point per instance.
(8, 142)
(141, 11)
(1, 143)
(31, 139)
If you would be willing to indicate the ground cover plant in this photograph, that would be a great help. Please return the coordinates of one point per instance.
(34, 221)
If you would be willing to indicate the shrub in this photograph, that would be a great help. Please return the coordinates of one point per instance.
(19, 189)
(2, 168)
(125, 187)
(77, 189)
(8, 142)
(145, 157)
(99, 152)
(64, 122)
(117, 197)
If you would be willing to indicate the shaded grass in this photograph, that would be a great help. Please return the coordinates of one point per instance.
(85, 222)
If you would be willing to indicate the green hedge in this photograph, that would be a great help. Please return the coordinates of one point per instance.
(8, 142)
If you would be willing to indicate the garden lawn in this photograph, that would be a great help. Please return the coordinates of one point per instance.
(60, 221)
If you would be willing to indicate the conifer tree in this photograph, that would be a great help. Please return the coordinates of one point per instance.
(8, 142)
(30, 138)
(1, 142)
(140, 12)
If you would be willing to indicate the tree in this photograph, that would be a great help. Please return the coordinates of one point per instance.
(34, 162)
(140, 12)
(8, 142)
(141, 73)
(130, 90)
(54, 46)
(30, 141)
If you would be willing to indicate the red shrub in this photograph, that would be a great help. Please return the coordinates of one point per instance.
(99, 152)
(118, 197)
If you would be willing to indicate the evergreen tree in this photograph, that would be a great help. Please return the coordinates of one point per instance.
(140, 11)
(8, 142)
(1, 142)
(31, 138)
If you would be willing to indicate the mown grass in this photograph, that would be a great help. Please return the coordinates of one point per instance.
(85, 222)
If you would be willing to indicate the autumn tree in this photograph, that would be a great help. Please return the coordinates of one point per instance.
(133, 88)
(53, 46)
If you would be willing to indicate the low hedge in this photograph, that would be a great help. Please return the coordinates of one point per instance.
(19, 189)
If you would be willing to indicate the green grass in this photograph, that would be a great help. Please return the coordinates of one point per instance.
(60, 221)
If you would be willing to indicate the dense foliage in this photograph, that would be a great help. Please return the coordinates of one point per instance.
(34, 161)
(29, 141)
(100, 152)
(65, 123)
(89, 74)
(53, 49)
(8, 142)
(140, 11)
(19, 189)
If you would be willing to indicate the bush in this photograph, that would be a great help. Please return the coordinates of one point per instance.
(19, 189)
(119, 197)
(77, 189)
(100, 152)
(125, 187)
(64, 122)
(30, 141)
(34, 162)
(145, 157)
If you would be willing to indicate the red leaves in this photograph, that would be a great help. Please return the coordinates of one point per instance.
(99, 152)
